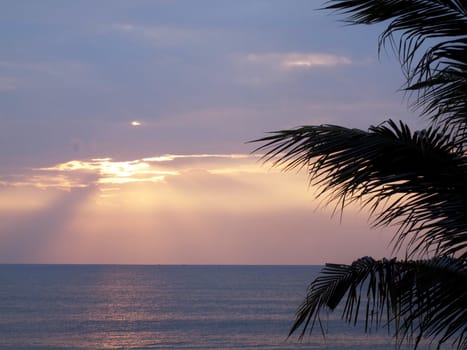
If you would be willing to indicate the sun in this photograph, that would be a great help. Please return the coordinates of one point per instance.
(135, 123)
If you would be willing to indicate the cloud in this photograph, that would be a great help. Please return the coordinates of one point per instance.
(44, 181)
(283, 71)
(106, 171)
(52, 68)
(161, 35)
(295, 60)
(42, 75)
(109, 171)
(169, 157)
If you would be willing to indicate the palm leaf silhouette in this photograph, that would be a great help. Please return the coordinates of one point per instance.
(421, 298)
(414, 180)
(438, 75)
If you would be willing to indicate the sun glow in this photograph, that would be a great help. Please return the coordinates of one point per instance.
(135, 123)
(108, 171)
(171, 208)
(172, 180)
(156, 169)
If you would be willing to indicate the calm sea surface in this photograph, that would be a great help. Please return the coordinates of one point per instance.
(162, 307)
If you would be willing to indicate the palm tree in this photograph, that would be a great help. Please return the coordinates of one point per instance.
(414, 180)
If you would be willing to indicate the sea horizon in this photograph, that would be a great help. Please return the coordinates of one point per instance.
(162, 264)
(98, 306)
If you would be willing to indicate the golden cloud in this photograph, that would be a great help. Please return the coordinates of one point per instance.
(295, 60)
(107, 172)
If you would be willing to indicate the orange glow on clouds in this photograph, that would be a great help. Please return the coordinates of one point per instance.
(111, 172)
(108, 171)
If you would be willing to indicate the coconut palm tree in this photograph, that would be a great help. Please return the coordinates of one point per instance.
(414, 180)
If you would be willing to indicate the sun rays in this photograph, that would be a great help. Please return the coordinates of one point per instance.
(170, 208)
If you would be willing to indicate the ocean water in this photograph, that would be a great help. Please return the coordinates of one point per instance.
(163, 307)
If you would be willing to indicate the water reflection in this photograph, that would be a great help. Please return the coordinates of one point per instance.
(161, 307)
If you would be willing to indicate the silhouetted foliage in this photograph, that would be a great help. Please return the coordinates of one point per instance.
(415, 180)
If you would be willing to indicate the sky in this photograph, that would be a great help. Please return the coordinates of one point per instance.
(125, 129)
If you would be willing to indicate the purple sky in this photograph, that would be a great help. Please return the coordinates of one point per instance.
(124, 129)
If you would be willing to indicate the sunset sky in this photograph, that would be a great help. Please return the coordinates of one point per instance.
(125, 127)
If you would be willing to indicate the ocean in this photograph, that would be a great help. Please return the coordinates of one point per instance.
(163, 307)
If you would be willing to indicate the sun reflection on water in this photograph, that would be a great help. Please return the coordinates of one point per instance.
(163, 307)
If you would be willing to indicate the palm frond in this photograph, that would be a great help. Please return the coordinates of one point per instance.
(436, 72)
(417, 299)
(414, 180)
